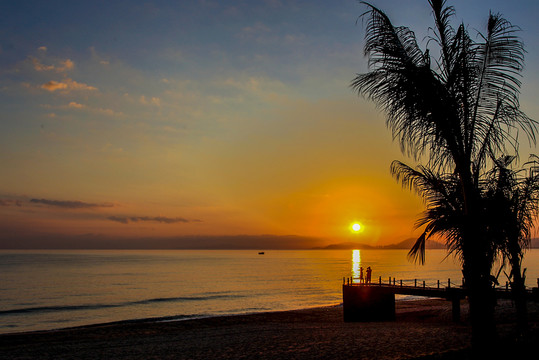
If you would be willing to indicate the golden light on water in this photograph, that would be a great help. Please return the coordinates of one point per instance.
(356, 263)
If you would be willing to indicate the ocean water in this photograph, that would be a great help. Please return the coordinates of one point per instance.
(42, 290)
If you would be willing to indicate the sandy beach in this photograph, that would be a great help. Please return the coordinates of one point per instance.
(423, 329)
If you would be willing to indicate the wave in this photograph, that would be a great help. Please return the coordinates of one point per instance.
(45, 309)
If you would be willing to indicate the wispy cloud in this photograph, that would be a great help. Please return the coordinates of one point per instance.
(62, 67)
(53, 86)
(77, 106)
(10, 202)
(38, 66)
(152, 101)
(66, 85)
(70, 204)
(160, 219)
(65, 65)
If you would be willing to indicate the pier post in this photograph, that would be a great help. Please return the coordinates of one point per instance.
(401, 282)
(448, 283)
(415, 282)
(438, 284)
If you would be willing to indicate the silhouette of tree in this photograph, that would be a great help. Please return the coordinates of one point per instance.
(458, 110)
(514, 206)
(444, 212)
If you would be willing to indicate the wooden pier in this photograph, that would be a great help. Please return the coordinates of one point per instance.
(375, 301)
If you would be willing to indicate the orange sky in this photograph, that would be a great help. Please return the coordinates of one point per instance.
(202, 118)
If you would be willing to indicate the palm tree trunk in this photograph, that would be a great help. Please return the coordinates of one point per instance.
(481, 296)
(518, 288)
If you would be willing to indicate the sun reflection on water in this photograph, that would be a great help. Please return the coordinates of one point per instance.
(356, 263)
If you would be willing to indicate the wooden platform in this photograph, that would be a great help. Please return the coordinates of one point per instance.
(376, 301)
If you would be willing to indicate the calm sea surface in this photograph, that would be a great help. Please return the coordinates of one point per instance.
(41, 290)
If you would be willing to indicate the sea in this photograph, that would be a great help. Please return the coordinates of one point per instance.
(52, 289)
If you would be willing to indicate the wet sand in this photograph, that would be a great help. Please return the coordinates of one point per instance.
(423, 329)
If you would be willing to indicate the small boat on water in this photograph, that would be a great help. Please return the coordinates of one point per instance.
(260, 253)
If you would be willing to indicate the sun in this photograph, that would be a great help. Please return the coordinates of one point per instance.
(356, 227)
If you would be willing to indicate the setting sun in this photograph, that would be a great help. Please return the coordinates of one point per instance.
(356, 227)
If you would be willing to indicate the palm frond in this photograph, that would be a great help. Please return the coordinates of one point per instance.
(417, 252)
(444, 34)
(402, 84)
(496, 115)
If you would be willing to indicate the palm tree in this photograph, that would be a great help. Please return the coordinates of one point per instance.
(514, 205)
(510, 205)
(458, 110)
(444, 208)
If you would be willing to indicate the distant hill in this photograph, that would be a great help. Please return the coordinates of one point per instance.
(236, 242)
(346, 246)
(405, 244)
(408, 243)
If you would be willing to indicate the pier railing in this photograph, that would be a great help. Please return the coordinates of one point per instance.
(368, 300)
(403, 282)
(444, 289)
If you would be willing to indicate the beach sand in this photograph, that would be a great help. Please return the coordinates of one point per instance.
(423, 329)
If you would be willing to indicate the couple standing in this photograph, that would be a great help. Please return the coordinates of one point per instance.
(368, 275)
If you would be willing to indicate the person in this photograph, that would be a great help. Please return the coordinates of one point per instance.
(369, 272)
(360, 274)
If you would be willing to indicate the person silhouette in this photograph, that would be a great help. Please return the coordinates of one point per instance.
(360, 274)
(369, 272)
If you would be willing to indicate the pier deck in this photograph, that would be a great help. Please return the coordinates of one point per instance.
(376, 300)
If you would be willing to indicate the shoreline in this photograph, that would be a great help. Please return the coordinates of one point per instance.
(423, 329)
(184, 317)
(187, 317)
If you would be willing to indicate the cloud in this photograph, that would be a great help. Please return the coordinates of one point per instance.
(53, 86)
(67, 84)
(102, 111)
(119, 219)
(38, 66)
(153, 101)
(42, 48)
(76, 105)
(160, 219)
(9, 202)
(64, 66)
(69, 204)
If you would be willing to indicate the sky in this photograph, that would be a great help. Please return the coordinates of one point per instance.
(146, 120)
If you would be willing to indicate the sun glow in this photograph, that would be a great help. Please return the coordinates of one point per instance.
(356, 227)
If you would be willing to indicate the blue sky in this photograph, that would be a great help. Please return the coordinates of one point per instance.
(205, 117)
